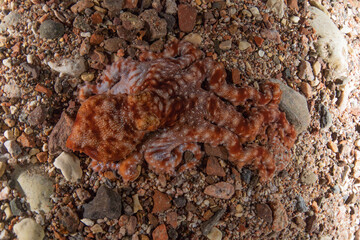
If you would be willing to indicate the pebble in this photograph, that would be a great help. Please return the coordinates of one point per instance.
(12, 19)
(113, 6)
(161, 202)
(37, 116)
(12, 90)
(2, 168)
(301, 205)
(214, 168)
(87, 222)
(258, 40)
(171, 219)
(187, 17)
(295, 107)
(137, 205)
(357, 143)
(243, 45)
(114, 44)
(69, 165)
(222, 190)
(214, 234)
(160, 233)
(170, 7)
(316, 68)
(7, 62)
(280, 218)
(60, 133)
(37, 188)
(87, 76)
(9, 134)
(81, 6)
(310, 223)
(333, 146)
(293, 4)
(306, 89)
(209, 224)
(157, 26)
(261, 53)
(308, 178)
(277, 6)
(107, 203)
(96, 229)
(225, 45)
(4, 194)
(16, 207)
(246, 13)
(50, 29)
(255, 12)
(69, 66)
(82, 194)
(305, 71)
(180, 202)
(193, 38)
(295, 19)
(28, 229)
(13, 148)
(264, 211)
(131, 22)
(9, 122)
(325, 117)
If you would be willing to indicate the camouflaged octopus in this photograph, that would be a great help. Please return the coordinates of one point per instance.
(164, 104)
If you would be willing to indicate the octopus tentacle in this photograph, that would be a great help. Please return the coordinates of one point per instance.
(216, 75)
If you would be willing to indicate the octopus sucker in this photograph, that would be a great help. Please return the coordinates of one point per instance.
(154, 109)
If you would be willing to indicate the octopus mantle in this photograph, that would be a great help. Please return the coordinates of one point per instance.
(167, 103)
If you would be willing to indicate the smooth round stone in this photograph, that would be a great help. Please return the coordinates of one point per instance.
(50, 29)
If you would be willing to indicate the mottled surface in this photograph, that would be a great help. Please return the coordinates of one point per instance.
(178, 96)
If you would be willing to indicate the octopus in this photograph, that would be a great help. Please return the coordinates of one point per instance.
(157, 107)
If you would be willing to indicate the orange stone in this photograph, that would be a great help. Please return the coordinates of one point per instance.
(96, 18)
(214, 168)
(161, 202)
(96, 39)
(258, 40)
(160, 233)
(42, 157)
(235, 76)
(42, 89)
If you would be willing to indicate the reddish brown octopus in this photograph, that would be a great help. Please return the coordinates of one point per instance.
(157, 107)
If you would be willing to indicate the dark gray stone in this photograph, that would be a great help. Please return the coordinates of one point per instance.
(16, 207)
(295, 107)
(50, 29)
(325, 117)
(246, 175)
(107, 203)
(209, 224)
(180, 202)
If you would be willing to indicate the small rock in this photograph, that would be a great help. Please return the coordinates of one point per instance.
(13, 148)
(310, 223)
(69, 165)
(255, 12)
(96, 229)
(280, 217)
(271, 35)
(157, 46)
(333, 146)
(301, 205)
(37, 188)
(264, 211)
(60, 133)
(82, 194)
(137, 205)
(130, 4)
(295, 19)
(160, 233)
(243, 45)
(308, 178)
(246, 175)
(70, 66)
(113, 6)
(50, 29)
(209, 224)
(12, 90)
(218, 151)
(293, 4)
(2, 168)
(26, 140)
(114, 44)
(225, 45)
(193, 38)
(325, 117)
(214, 234)
(171, 219)
(68, 219)
(12, 19)
(28, 229)
(222, 190)
(258, 40)
(16, 207)
(261, 53)
(131, 225)
(81, 23)
(157, 26)
(305, 71)
(96, 39)
(180, 202)
(295, 107)
(107, 203)
(87, 76)
(87, 222)
(81, 6)
(214, 168)
(306, 89)
(161, 202)
(131, 22)
(187, 17)
(277, 6)
(316, 68)
(171, 6)
(37, 116)
(4, 194)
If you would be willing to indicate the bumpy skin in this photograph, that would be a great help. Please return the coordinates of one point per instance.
(155, 109)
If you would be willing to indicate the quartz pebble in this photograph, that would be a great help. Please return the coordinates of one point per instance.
(243, 45)
(193, 38)
(69, 166)
(214, 234)
(28, 229)
(222, 190)
(13, 148)
(333, 146)
(225, 45)
(305, 71)
(69, 66)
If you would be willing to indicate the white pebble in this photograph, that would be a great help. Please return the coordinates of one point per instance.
(28, 229)
(69, 165)
(261, 53)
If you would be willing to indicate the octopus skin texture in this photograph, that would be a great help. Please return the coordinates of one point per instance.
(163, 104)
